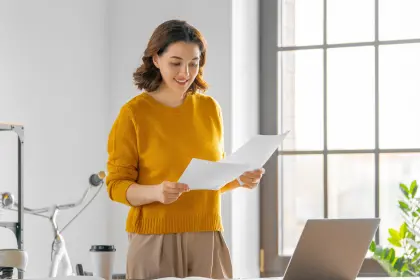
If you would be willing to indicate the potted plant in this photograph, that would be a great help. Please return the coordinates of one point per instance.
(406, 238)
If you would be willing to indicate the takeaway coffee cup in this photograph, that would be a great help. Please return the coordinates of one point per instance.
(102, 257)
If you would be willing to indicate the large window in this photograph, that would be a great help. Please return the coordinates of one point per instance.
(348, 89)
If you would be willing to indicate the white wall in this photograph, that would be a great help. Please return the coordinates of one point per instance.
(84, 55)
(53, 64)
(245, 124)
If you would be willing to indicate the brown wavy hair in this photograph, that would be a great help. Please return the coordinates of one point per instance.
(148, 76)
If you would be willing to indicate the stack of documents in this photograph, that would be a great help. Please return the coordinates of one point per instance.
(209, 175)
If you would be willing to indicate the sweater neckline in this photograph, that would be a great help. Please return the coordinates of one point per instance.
(185, 102)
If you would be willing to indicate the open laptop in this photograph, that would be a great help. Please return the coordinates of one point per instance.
(331, 249)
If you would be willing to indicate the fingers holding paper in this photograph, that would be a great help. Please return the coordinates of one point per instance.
(251, 179)
(170, 191)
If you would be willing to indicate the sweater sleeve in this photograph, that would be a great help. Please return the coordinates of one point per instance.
(122, 164)
(230, 186)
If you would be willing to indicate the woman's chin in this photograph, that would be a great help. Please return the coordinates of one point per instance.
(179, 89)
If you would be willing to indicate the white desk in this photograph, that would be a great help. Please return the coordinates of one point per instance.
(358, 278)
(262, 278)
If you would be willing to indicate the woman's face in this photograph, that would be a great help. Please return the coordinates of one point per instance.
(179, 66)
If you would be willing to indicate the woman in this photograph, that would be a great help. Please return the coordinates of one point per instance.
(173, 232)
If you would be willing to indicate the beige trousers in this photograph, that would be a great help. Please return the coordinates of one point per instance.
(200, 254)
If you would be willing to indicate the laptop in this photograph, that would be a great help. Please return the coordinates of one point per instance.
(331, 249)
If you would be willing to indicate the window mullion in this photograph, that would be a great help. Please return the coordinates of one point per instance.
(377, 210)
(325, 112)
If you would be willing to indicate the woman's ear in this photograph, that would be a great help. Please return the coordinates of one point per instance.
(156, 60)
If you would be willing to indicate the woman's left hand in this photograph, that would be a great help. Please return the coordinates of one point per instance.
(251, 179)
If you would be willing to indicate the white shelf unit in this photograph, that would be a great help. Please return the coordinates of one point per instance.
(17, 227)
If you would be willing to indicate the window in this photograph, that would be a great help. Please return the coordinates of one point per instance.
(346, 87)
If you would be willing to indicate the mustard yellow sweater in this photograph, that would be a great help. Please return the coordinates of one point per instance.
(149, 143)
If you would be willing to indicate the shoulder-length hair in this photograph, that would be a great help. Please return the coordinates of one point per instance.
(147, 76)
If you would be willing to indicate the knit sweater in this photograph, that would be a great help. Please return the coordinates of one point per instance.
(149, 143)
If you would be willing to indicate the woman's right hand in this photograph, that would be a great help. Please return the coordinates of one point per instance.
(169, 192)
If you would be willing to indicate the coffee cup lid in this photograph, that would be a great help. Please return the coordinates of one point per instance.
(102, 248)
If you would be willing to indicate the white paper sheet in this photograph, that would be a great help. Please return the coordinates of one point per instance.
(257, 151)
(209, 175)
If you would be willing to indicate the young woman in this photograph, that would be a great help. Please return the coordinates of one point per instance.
(173, 232)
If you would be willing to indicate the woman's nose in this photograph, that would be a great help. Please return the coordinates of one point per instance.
(185, 71)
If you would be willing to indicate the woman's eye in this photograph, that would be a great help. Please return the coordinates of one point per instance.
(179, 64)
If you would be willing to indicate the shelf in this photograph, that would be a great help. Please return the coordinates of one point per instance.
(9, 126)
(17, 227)
(17, 128)
(10, 225)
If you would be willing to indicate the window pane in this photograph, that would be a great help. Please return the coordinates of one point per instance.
(8, 171)
(399, 87)
(301, 100)
(302, 196)
(300, 22)
(351, 186)
(350, 21)
(399, 19)
(351, 98)
(394, 169)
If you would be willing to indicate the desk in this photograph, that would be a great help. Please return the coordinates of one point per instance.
(358, 278)
(281, 278)
(89, 277)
